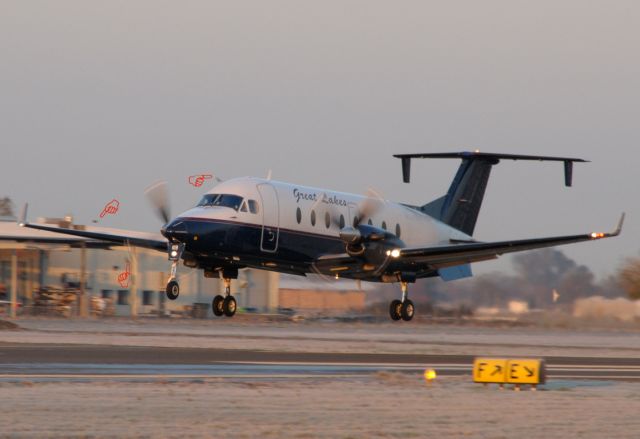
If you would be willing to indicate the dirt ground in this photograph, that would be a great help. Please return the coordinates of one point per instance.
(386, 405)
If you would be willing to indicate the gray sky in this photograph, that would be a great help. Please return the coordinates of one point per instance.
(99, 99)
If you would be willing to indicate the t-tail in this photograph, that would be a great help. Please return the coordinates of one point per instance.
(460, 206)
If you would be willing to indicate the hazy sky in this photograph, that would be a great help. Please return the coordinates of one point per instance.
(100, 99)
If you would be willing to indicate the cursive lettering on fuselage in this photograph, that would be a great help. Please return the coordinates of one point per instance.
(298, 195)
(326, 199)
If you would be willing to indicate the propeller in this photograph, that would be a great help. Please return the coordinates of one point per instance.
(357, 232)
(158, 196)
(371, 243)
(365, 209)
(369, 206)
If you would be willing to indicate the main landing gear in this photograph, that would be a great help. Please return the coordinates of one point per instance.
(224, 305)
(402, 309)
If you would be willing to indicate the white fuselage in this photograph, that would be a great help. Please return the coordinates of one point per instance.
(295, 208)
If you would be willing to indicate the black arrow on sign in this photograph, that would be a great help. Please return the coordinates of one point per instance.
(529, 371)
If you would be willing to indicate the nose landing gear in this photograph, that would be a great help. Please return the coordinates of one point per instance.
(224, 305)
(173, 289)
(402, 309)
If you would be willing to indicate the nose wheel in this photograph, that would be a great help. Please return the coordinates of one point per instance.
(402, 309)
(224, 305)
(173, 289)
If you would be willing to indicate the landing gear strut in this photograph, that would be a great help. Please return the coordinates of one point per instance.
(173, 289)
(402, 309)
(224, 305)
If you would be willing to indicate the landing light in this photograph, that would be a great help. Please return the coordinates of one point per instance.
(174, 253)
(429, 375)
(395, 253)
(596, 235)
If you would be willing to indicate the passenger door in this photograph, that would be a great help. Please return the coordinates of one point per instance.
(270, 218)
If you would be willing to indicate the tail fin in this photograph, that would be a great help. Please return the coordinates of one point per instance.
(460, 207)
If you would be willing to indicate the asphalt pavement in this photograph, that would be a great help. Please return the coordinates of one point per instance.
(55, 362)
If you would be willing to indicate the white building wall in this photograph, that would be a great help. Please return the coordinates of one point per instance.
(252, 289)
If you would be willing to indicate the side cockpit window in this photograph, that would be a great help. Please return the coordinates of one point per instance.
(222, 200)
(253, 206)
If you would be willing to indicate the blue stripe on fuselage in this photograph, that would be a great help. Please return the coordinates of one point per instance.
(222, 238)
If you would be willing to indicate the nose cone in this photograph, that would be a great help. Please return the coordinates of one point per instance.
(176, 230)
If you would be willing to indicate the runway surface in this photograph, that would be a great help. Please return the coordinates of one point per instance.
(64, 362)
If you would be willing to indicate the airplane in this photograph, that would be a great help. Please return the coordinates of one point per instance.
(265, 224)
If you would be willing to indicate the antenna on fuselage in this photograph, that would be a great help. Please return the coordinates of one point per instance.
(269, 174)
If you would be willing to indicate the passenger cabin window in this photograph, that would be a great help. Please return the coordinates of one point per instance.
(253, 206)
(327, 219)
(384, 225)
(370, 222)
(298, 215)
(341, 221)
(398, 230)
(222, 200)
(313, 217)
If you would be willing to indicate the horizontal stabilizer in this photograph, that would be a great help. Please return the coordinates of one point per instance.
(486, 156)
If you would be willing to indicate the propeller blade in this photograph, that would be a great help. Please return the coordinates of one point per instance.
(158, 196)
(369, 206)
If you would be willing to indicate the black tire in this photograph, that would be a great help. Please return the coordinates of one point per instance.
(172, 290)
(217, 306)
(229, 306)
(407, 311)
(395, 310)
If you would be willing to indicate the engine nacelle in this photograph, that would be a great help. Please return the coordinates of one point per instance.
(369, 242)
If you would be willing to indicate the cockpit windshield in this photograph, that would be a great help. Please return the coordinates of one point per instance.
(224, 200)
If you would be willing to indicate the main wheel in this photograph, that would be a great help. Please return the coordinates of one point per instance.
(395, 309)
(407, 310)
(216, 305)
(229, 306)
(173, 290)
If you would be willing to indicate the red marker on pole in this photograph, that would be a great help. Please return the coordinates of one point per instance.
(123, 278)
(198, 180)
(111, 208)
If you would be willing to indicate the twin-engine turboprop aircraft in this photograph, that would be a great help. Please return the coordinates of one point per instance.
(271, 225)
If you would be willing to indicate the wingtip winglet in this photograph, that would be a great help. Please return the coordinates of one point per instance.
(616, 232)
(22, 221)
(618, 229)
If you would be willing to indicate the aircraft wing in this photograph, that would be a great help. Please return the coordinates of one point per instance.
(442, 256)
(429, 259)
(153, 241)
